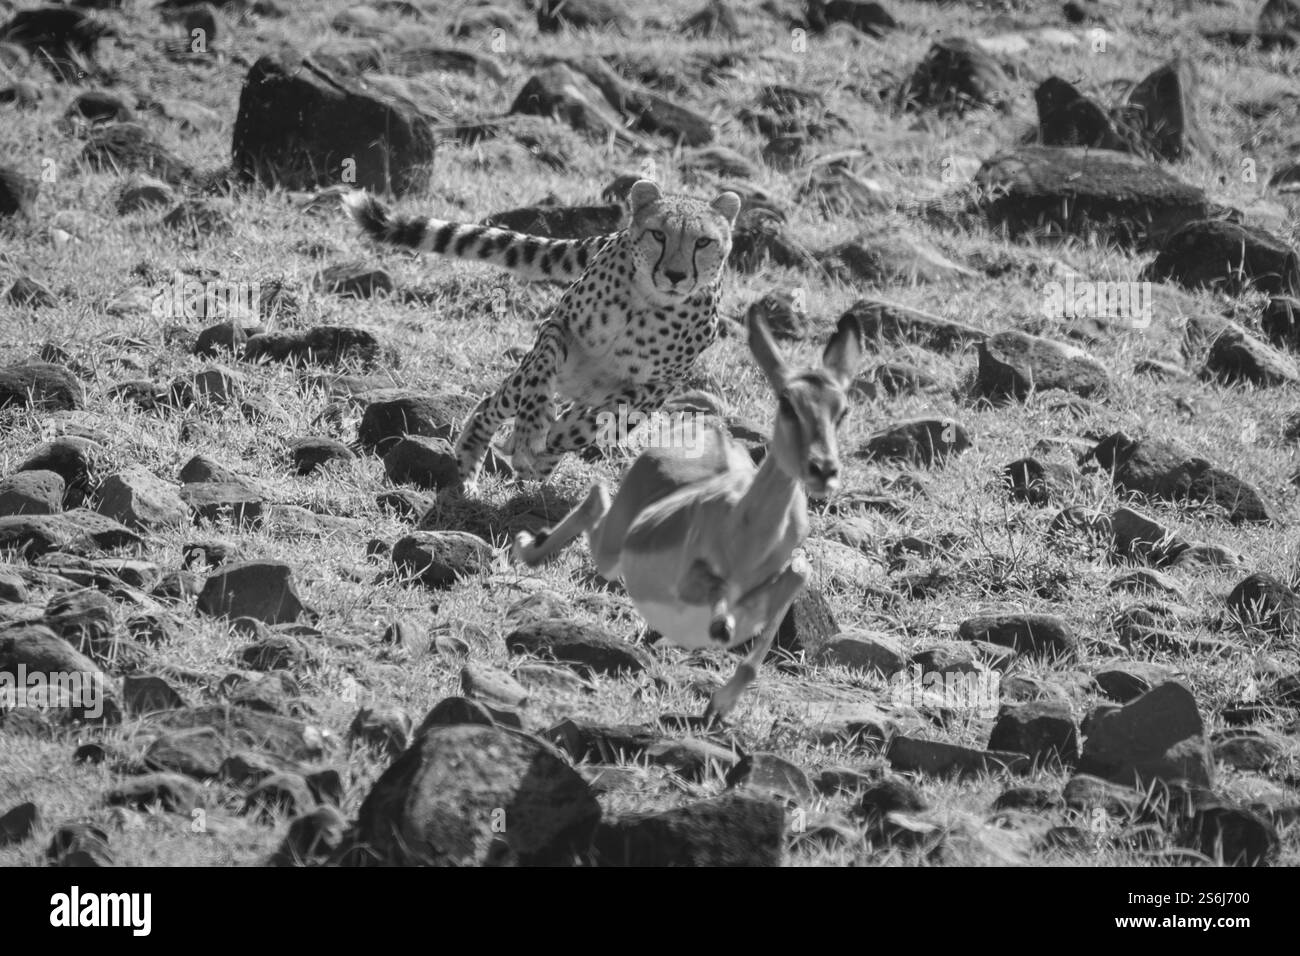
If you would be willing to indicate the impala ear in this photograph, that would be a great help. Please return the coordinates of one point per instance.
(763, 348)
(728, 204)
(642, 194)
(843, 352)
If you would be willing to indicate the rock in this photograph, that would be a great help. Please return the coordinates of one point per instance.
(1237, 836)
(259, 589)
(65, 41)
(27, 293)
(1136, 537)
(31, 493)
(388, 418)
(589, 649)
(758, 239)
(312, 453)
(13, 590)
(39, 385)
(1039, 483)
(1042, 730)
(143, 194)
(477, 795)
(438, 559)
(1162, 110)
(492, 685)
(864, 650)
(1067, 190)
(35, 649)
(140, 500)
(1086, 793)
(327, 344)
(1130, 679)
(299, 125)
(1014, 364)
(1249, 750)
(462, 710)
(200, 469)
(808, 624)
(1237, 357)
(871, 18)
(887, 256)
(147, 693)
(554, 15)
(170, 791)
(1227, 256)
(955, 76)
(1166, 471)
(1280, 321)
(1262, 601)
(77, 531)
(79, 844)
(1032, 799)
(588, 742)
(898, 324)
(277, 652)
(562, 93)
(117, 147)
(386, 729)
(730, 830)
(215, 501)
(17, 192)
(1068, 118)
(772, 774)
(939, 759)
(428, 463)
(197, 753)
(890, 795)
(248, 729)
(1040, 635)
(1158, 736)
(279, 795)
(18, 823)
(311, 838)
(922, 441)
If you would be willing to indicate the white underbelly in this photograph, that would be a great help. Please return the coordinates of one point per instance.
(686, 625)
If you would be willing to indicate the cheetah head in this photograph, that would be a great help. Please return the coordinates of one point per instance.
(679, 245)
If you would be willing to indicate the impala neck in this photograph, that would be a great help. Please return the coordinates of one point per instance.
(773, 492)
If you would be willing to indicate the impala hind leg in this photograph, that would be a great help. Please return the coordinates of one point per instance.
(769, 602)
(532, 551)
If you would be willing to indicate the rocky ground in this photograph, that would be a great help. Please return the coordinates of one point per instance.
(1052, 616)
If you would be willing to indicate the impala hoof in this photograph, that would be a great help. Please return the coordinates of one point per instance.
(722, 629)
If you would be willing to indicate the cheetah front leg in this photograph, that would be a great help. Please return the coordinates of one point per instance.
(581, 425)
(526, 395)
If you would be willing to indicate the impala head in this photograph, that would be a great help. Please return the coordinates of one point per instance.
(679, 245)
(811, 404)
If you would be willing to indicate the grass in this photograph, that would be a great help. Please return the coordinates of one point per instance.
(455, 340)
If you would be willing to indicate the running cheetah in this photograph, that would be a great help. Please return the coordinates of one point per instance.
(643, 304)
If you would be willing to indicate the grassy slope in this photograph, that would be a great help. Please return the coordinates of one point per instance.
(456, 342)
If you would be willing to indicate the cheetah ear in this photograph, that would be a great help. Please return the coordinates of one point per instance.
(729, 205)
(642, 194)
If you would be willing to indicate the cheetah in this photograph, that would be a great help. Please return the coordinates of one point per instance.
(641, 307)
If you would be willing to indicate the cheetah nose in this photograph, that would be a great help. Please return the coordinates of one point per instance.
(673, 276)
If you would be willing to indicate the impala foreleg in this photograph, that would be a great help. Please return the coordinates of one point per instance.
(532, 551)
(770, 602)
(701, 585)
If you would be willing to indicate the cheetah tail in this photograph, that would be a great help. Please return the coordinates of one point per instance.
(376, 221)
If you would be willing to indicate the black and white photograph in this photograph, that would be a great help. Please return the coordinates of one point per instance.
(692, 433)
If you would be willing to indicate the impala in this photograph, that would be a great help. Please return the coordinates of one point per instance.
(704, 542)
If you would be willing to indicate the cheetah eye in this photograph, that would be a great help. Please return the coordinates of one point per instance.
(702, 242)
(657, 234)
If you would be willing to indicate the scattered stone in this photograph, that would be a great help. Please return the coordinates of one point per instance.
(864, 650)
(259, 589)
(1262, 601)
(1040, 635)
(1015, 364)
(298, 123)
(1237, 357)
(939, 759)
(1158, 736)
(429, 463)
(442, 800)
(197, 753)
(170, 791)
(922, 441)
(438, 559)
(18, 823)
(588, 648)
(31, 493)
(1042, 730)
(311, 454)
(279, 795)
(141, 500)
(1227, 256)
(39, 385)
(730, 830)
(386, 729)
(956, 76)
